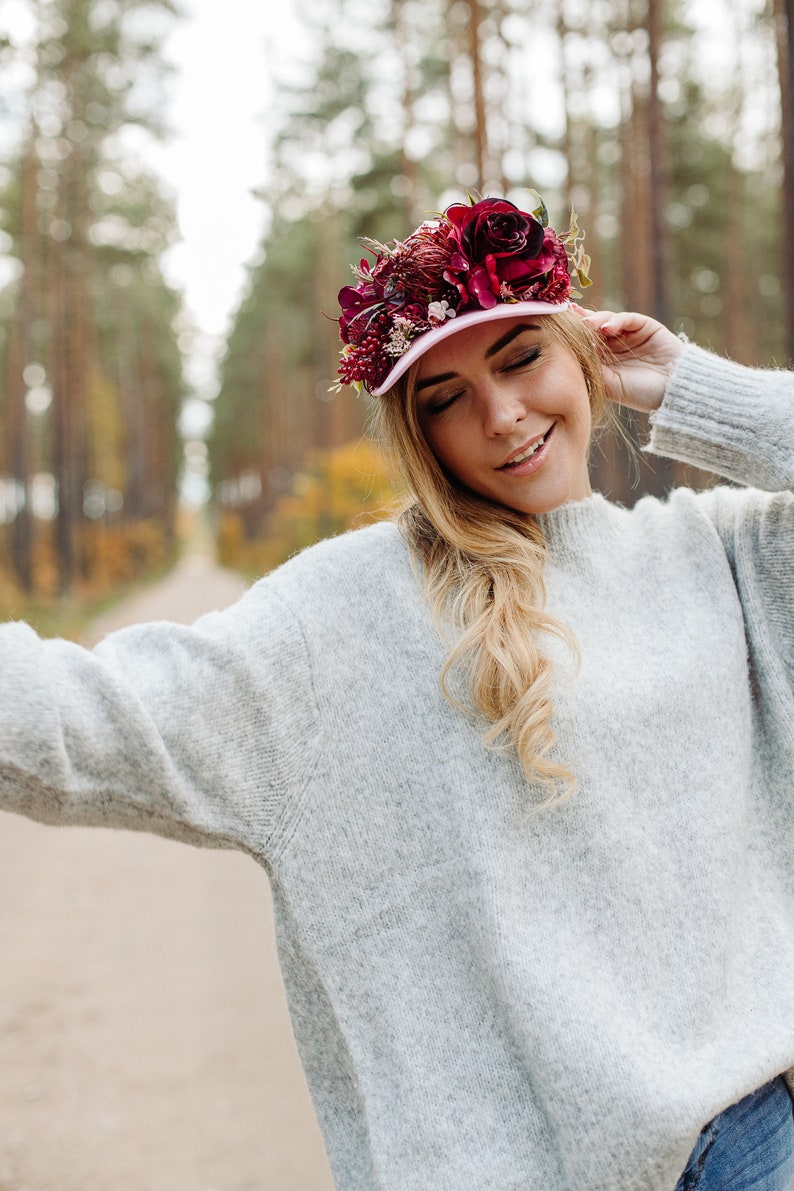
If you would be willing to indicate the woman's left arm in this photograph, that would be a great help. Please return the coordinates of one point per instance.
(732, 420)
(641, 356)
(706, 410)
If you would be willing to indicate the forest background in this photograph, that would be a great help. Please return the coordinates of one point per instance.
(678, 163)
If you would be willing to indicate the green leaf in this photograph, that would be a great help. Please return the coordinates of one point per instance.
(540, 210)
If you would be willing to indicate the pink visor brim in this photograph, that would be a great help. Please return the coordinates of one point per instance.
(452, 326)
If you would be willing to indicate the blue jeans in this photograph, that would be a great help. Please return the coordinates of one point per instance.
(748, 1147)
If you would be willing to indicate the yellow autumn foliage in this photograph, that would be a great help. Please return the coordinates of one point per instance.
(339, 489)
(114, 557)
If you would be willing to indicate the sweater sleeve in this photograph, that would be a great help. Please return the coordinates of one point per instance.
(204, 733)
(735, 421)
(739, 423)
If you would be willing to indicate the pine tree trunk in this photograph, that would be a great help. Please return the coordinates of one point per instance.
(70, 315)
(565, 138)
(18, 356)
(657, 172)
(127, 353)
(408, 166)
(480, 125)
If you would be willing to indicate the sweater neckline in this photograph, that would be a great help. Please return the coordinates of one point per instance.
(572, 526)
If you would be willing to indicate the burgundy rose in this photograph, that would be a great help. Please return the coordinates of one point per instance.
(495, 227)
(520, 272)
(497, 246)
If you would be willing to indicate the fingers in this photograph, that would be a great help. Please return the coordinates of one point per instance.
(634, 338)
(625, 324)
(640, 355)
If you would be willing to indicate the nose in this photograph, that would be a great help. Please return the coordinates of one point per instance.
(500, 409)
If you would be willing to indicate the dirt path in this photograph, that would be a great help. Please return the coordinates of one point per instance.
(144, 1037)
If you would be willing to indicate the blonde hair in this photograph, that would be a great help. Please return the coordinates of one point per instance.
(482, 572)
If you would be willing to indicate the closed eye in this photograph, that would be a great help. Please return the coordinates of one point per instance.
(442, 402)
(522, 361)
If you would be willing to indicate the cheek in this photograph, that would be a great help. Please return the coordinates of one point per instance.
(432, 441)
(579, 411)
(442, 440)
(447, 458)
(586, 416)
(453, 451)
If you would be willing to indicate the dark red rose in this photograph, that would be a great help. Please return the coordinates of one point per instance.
(519, 272)
(495, 227)
(497, 245)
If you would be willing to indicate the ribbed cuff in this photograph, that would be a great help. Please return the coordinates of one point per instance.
(729, 419)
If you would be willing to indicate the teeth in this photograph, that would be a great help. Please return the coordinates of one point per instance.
(528, 453)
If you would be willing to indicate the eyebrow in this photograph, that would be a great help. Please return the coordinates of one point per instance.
(509, 336)
(493, 350)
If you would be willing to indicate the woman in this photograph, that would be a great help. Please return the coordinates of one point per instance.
(535, 921)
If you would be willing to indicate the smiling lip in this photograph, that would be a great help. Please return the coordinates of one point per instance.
(532, 462)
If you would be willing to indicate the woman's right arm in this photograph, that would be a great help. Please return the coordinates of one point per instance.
(199, 733)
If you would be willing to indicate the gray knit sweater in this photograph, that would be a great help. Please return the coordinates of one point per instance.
(485, 997)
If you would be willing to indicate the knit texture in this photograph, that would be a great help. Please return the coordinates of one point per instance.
(484, 996)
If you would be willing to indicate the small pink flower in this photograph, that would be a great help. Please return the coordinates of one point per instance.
(437, 312)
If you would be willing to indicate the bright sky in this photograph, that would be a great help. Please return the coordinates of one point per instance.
(225, 58)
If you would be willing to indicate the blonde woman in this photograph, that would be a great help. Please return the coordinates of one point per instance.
(519, 767)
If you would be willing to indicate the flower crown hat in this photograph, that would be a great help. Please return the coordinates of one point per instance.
(479, 261)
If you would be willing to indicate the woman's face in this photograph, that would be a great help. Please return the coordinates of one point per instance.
(505, 410)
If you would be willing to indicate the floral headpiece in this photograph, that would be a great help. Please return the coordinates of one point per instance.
(476, 258)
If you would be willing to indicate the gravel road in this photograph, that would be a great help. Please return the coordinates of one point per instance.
(144, 1037)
